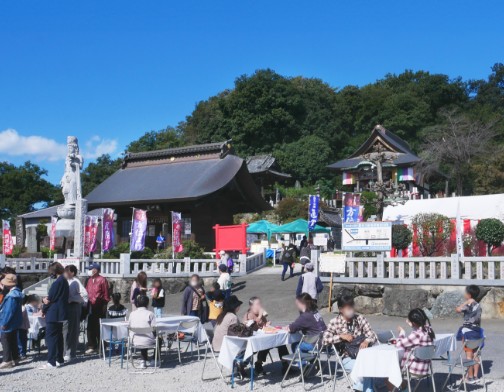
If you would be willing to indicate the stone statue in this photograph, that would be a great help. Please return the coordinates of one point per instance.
(70, 182)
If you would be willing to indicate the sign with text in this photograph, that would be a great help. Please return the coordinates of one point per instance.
(332, 262)
(366, 236)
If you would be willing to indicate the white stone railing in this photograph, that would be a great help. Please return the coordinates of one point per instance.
(126, 267)
(487, 271)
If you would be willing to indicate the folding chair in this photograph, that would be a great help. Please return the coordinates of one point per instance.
(108, 338)
(131, 349)
(383, 337)
(304, 361)
(188, 329)
(425, 353)
(346, 376)
(207, 338)
(459, 361)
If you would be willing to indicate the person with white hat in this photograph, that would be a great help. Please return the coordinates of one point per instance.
(11, 318)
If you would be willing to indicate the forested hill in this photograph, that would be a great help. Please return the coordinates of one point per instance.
(456, 125)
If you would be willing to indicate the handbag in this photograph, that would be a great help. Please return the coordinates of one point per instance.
(240, 330)
(351, 349)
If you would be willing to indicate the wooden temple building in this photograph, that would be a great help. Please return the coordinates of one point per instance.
(404, 166)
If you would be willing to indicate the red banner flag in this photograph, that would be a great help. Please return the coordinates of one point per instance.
(8, 244)
(177, 232)
(52, 237)
(90, 231)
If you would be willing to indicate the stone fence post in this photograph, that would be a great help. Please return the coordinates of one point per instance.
(2, 260)
(125, 264)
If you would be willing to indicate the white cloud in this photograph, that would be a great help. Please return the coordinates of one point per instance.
(45, 149)
(97, 146)
(42, 148)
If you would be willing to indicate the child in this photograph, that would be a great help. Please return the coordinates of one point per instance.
(22, 333)
(158, 297)
(215, 298)
(224, 281)
(142, 318)
(471, 327)
(32, 304)
(420, 336)
(117, 310)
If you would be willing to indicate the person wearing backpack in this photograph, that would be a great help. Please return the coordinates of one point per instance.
(309, 283)
(288, 258)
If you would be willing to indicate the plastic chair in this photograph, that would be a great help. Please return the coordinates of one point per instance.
(460, 361)
(304, 361)
(188, 329)
(425, 353)
(383, 337)
(207, 338)
(132, 348)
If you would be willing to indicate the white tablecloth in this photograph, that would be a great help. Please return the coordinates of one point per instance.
(232, 346)
(168, 324)
(36, 322)
(383, 361)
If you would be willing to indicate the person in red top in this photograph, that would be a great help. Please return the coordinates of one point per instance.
(98, 292)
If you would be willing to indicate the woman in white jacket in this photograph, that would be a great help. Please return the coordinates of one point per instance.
(142, 318)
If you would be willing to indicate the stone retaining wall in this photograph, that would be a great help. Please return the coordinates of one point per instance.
(397, 300)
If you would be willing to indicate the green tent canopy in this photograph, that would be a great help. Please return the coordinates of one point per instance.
(261, 227)
(299, 226)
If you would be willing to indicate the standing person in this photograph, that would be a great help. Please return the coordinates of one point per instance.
(309, 283)
(215, 298)
(11, 319)
(288, 258)
(303, 243)
(98, 292)
(224, 281)
(160, 241)
(471, 328)
(158, 297)
(76, 302)
(140, 288)
(22, 337)
(55, 310)
(192, 299)
(305, 254)
(222, 259)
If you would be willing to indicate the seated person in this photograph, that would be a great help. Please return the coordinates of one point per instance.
(346, 327)
(117, 310)
(309, 322)
(142, 318)
(227, 318)
(256, 318)
(421, 335)
(471, 327)
(215, 304)
(32, 304)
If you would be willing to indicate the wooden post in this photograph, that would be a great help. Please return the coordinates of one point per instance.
(330, 292)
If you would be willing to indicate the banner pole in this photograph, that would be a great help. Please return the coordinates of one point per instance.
(102, 228)
(172, 246)
(330, 292)
(131, 230)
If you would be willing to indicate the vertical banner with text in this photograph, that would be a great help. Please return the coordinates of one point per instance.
(177, 232)
(52, 237)
(352, 210)
(90, 232)
(107, 229)
(8, 244)
(138, 230)
(313, 211)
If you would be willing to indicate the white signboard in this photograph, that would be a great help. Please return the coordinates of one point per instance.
(70, 261)
(320, 240)
(332, 262)
(366, 236)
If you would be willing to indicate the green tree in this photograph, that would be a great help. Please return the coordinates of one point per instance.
(433, 230)
(23, 188)
(157, 140)
(401, 237)
(306, 158)
(491, 232)
(289, 209)
(368, 200)
(97, 172)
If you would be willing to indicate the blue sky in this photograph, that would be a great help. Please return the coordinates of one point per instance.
(108, 71)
